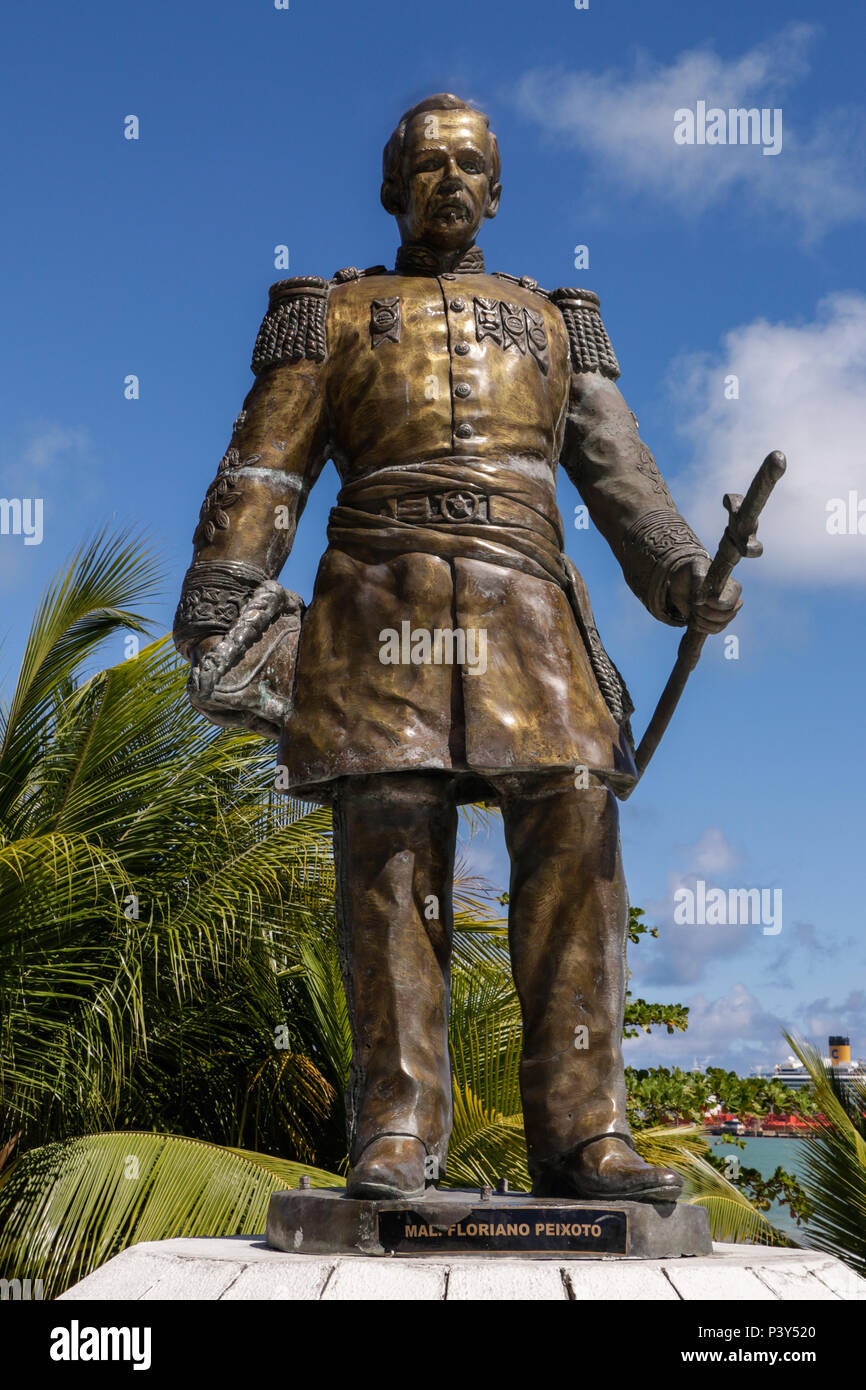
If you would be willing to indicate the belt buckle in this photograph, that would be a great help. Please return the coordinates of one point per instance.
(458, 505)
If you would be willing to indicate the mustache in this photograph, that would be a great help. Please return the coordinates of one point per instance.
(453, 204)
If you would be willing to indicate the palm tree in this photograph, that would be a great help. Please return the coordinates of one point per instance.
(153, 903)
(834, 1171)
(148, 886)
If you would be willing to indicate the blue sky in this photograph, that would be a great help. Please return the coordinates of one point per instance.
(261, 127)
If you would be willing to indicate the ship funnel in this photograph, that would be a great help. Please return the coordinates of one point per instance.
(840, 1050)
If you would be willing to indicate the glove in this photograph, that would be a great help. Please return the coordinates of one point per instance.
(246, 679)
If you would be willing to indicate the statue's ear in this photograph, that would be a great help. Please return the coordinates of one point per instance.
(392, 196)
(493, 200)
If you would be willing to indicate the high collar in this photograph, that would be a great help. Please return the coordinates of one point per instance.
(414, 258)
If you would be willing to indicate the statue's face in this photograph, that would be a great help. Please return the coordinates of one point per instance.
(446, 170)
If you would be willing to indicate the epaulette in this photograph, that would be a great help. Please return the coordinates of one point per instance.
(351, 272)
(295, 324)
(587, 337)
(525, 282)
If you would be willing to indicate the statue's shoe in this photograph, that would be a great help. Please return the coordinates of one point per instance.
(605, 1167)
(389, 1168)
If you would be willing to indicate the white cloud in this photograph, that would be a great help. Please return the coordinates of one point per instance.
(821, 1018)
(684, 952)
(734, 1031)
(713, 853)
(802, 389)
(623, 123)
(737, 1031)
(50, 449)
(803, 949)
(51, 467)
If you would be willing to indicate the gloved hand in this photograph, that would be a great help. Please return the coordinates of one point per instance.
(244, 679)
(707, 615)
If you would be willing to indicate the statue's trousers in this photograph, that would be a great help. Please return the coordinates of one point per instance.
(394, 843)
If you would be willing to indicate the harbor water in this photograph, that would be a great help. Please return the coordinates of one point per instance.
(768, 1154)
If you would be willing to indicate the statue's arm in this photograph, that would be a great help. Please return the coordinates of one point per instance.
(278, 447)
(616, 475)
(626, 495)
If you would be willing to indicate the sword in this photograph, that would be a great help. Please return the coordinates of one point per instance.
(738, 541)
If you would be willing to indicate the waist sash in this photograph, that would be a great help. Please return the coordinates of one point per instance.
(523, 530)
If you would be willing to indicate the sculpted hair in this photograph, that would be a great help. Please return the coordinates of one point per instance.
(393, 191)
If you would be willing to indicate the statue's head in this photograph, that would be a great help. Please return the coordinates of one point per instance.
(440, 173)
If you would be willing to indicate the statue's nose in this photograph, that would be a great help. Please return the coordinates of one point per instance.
(451, 179)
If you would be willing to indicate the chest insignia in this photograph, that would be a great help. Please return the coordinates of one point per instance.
(385, 321)
(512, 326)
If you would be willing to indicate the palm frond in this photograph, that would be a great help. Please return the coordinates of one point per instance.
(68, 1207)
(485, 1145)
(82, 606)
(731, 1214)
(486, 1038)
(834, 1168)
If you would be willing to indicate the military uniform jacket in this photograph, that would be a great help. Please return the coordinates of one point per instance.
(446, 401)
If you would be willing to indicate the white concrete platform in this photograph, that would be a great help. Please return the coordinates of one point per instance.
(242, 1267)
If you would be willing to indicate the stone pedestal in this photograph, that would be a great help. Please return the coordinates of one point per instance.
(459, 1223)
(235, 1268)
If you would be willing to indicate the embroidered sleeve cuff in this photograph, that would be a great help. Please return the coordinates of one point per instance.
(653, 548)
(211, 600)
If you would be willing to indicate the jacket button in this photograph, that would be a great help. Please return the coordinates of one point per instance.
(458, 305)
(461, 349)
(463, 431)
(463, 389)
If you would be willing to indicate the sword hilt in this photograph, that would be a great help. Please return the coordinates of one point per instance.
(740, 540)
(748, 546)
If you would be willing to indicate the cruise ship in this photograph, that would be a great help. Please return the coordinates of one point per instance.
(792, 1073)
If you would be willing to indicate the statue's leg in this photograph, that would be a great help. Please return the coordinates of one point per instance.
(394, 841)
(568, 923)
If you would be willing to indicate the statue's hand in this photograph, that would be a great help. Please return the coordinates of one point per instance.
(244, 678)
(204, 646)
(708, 614)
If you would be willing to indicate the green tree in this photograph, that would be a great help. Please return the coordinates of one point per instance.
(148, 890)
(639, 1015)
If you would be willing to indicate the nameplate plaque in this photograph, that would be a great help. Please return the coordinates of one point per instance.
(518, 1230)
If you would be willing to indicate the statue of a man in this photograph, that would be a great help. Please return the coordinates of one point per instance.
(449, 654)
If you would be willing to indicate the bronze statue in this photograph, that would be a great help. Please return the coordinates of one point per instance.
(449, 654)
